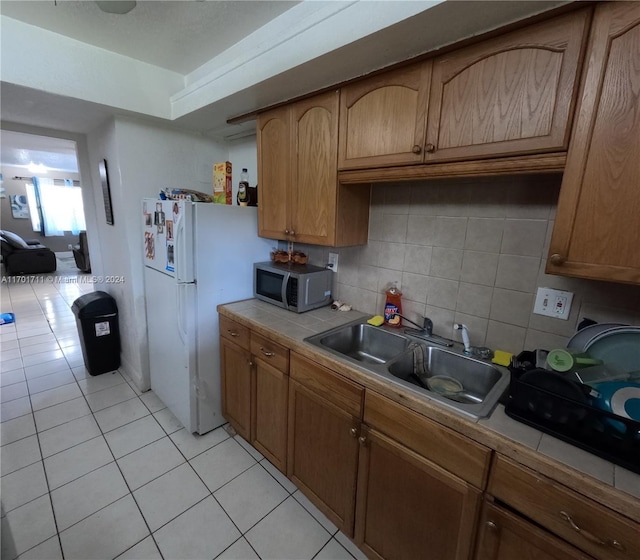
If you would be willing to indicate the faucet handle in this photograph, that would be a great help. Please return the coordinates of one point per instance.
(427, 325)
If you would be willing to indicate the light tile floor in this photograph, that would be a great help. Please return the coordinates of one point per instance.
(91, 468)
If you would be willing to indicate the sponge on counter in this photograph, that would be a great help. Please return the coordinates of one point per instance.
(502, 358)
(376, 320)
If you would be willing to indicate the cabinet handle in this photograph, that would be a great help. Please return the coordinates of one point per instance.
(292, 232)
(429, 148)
(362, 440)
(557, 259)
(267, 354)
(491, 526)
(251, 364)
(589, 536)
(286, 231)
(232, 333)
(353, 432)
(416, 149)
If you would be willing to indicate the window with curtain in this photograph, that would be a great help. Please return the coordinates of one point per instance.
(55, 208)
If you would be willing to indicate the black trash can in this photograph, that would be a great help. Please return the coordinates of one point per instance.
(97, 318)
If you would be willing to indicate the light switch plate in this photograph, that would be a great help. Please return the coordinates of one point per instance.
(553, 303)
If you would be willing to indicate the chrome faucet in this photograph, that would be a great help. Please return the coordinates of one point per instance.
(425, 331)
(465, 337)
(426, 327)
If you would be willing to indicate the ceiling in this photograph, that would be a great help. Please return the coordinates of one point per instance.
(19, 150)
(177, 35)
(194, 39)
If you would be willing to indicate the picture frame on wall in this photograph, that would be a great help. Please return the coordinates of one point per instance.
(106, 191)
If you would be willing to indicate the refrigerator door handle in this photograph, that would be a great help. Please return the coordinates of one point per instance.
(181, 319)
(183, 252)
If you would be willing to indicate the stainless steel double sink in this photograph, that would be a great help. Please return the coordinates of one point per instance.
(417, 365)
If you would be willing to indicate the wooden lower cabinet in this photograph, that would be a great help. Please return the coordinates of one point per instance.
(269, 418)
(235, 372)
(505, 536)
(255, 387)
(408, 507)
(323, 454)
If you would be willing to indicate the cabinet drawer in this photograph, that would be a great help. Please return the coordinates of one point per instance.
(235, 332)
(271, 352)
(580, 521)
(448, 449)
(343, 393)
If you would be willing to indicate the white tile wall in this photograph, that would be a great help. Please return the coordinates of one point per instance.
(472, 251)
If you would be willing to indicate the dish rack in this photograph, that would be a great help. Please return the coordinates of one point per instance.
(607, 435)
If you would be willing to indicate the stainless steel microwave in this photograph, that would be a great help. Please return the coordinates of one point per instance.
(296, 287)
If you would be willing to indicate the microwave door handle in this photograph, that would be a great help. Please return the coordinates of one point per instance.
(285, 283)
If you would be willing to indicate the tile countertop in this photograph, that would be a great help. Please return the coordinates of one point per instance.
(602, 481)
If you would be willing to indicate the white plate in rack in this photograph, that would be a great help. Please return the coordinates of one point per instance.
(580, 339)
(619, 347)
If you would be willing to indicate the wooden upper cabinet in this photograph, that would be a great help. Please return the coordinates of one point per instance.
(315, 173)
(274, 171)
(512, 94)
(300, 197)
(383, 118)
(597, 225)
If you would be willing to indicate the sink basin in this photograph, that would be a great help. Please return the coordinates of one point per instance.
(467, 384)
(475, 377)
(362, 342)
(392, 356)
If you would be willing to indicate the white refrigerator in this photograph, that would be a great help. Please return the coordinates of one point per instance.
(196, 256)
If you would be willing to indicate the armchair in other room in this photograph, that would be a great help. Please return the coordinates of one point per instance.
(25, 257)
(81, 253)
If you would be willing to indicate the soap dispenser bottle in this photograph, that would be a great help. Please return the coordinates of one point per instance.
(393, 306)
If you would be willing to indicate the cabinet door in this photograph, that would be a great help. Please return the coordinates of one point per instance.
(269, 423)
(314, 174)
(504, 536)
(383, 118)
(409, 507)
(513, 94)
(323, 454)
(597, 227)
(274, 172)
(235, 369)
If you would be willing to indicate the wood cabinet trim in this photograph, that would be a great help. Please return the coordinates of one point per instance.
(543, 163)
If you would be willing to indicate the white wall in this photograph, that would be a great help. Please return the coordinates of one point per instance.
(142, 159)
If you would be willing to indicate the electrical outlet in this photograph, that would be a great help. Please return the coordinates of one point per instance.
(553, 303)
(333, 261)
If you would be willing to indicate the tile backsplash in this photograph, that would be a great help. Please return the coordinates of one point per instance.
(471, 251)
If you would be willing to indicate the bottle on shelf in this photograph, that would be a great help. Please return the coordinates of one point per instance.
(393, 306)
(243, 195)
